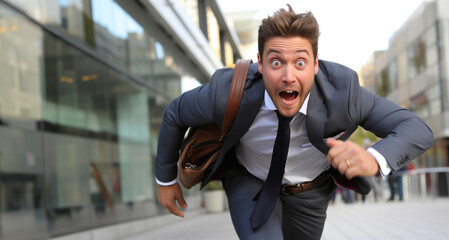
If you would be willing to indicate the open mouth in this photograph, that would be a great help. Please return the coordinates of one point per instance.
(288, 96)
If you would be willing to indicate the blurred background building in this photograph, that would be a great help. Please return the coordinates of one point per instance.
(83, 87)
(414, 73)
(84, 84)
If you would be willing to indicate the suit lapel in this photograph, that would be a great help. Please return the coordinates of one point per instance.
(316, 118)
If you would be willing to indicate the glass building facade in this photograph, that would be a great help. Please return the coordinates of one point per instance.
(413, 72)
(83, 88)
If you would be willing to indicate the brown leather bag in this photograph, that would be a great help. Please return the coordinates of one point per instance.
(202, 145)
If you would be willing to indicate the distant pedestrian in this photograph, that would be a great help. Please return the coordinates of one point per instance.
(395, 184)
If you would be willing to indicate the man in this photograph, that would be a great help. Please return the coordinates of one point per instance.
(320, 102)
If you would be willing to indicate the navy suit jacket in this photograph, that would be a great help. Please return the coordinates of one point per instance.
(337, 104)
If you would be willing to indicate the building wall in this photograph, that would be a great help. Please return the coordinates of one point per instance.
(413, 73)
(83, 88)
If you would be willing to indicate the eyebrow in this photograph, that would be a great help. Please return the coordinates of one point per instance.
(279, 52)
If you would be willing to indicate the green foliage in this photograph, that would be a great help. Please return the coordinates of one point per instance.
(214, 185)
(361, 134)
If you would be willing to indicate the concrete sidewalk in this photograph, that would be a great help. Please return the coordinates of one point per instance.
(425, 219)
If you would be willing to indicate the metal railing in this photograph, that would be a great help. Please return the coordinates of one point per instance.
(425, 182)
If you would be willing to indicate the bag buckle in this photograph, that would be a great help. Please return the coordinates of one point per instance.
(285, 186)
(190, 166)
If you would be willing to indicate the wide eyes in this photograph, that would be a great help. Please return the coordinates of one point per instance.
(300, 63)
(276, 63)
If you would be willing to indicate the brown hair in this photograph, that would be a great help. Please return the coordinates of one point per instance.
(285, 23)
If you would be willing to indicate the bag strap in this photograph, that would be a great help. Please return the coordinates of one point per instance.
(235, 94)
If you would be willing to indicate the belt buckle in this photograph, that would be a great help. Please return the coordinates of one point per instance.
(285, 186)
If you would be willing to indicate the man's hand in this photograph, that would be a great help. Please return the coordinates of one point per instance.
(168, 196)
(351, 159)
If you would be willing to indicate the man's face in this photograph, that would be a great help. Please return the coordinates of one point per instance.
(288, 70)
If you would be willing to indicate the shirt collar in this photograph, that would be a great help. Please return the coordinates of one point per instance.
(270, 105)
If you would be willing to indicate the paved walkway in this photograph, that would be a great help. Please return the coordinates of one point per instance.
(409, 220)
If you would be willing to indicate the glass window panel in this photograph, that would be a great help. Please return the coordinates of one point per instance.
(411, 67)
(20, 45)
(122, 41)
(402, 68)
(95, 155)
(213, 32)
(46, 11)
(417, 57)
(159, 50)
(74, 89)
(383, 83)
(139, 53)
(229, 54)
(393, 75)
(421, 53)
(22, 212)
(21, 184)
(72, 19)
(432, 55)
(62, 82)
(130, 111)
(99, 152)
(67, 182)
(111, 31)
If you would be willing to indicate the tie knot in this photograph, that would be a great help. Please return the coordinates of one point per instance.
(283, 120)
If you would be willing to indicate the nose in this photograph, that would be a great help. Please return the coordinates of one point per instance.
(288, 73)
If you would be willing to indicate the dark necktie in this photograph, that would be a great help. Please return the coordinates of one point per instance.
(269, 194)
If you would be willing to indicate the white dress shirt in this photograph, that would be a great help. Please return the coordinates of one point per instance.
(304, 161)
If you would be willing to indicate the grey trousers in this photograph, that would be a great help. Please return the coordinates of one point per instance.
(301, 216)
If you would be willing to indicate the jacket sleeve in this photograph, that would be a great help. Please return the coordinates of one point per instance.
(193, 108)
(404, 135)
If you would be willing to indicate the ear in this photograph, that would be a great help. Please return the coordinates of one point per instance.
(259, 63)
(316, 65)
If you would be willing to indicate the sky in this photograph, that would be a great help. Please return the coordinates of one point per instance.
(351, 30)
